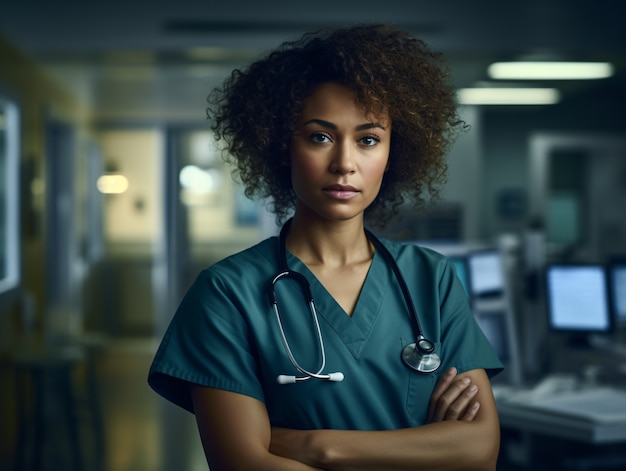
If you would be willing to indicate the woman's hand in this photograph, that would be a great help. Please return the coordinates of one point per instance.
(453, 399)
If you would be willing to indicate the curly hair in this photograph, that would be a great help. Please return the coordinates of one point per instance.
(255, 111)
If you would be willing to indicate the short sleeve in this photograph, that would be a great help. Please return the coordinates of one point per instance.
(207, 343)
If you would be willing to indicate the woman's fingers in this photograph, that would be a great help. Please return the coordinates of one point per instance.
(440, 388)
(471, 412)
(452, 399)
(458, 399)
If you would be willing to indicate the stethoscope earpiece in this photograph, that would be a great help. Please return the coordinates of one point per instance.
(290, 379)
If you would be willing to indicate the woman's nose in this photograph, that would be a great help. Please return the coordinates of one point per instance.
(343, 160)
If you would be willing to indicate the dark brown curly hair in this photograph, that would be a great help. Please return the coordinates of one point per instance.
(255, 111)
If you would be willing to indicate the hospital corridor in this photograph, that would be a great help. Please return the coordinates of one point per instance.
(115, 195)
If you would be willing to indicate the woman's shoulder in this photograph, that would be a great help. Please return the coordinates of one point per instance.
(413, 251)
(261, 254)
(259, 258)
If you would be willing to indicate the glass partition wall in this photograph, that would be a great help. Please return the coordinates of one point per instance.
(9, 200)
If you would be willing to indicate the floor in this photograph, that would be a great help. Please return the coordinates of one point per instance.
(142, 432)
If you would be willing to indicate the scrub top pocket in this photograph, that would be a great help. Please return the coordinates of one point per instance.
(420, 388)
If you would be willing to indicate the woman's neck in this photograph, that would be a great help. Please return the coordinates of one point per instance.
(329, 243)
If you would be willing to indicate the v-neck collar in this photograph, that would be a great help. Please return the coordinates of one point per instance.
(353, 330)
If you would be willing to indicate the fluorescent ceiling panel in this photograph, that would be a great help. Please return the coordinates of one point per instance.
(550, 70)
(508, 96)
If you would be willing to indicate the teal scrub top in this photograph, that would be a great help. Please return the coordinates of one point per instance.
(225, 335)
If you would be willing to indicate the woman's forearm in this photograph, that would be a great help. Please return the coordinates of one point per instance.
(235, 433)
(449, 444)
(444, 445)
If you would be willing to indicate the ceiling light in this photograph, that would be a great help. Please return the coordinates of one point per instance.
(112, 184)
(199, 180)
(550, 70)
(508, 96)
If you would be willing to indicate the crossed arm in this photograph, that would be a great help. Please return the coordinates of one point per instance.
(462, 433)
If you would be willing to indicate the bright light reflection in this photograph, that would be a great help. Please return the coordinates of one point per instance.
(508, 96)
(550, 70)
(198, 180)
(112, 184)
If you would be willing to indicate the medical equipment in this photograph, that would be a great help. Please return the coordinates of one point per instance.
(419, 355)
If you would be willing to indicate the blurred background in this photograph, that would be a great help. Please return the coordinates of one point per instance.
(113, 197)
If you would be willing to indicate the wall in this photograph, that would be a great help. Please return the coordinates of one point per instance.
(506, 134)
(39, 99)
(465, 174)
(133, 217)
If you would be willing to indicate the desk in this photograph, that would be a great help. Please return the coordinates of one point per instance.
(523, 418)
(597, 436)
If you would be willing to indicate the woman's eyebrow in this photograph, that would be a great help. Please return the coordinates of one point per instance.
(321, 122)
(361, 127)
(328, 124)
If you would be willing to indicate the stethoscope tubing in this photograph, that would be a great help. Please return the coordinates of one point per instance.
(424, 345)
(418, 356)
(305, 286)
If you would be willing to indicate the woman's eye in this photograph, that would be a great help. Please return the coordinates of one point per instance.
(320, 137)
(369, 141)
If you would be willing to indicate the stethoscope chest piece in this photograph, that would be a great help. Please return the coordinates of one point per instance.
(420, 361)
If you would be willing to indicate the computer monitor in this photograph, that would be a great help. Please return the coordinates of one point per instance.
(577, 298)
(486, 273)
(481, 270)
(617, 289)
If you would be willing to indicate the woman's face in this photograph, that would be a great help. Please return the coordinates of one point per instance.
(338, 154)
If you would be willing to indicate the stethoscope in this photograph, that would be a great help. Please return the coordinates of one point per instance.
(419, 355)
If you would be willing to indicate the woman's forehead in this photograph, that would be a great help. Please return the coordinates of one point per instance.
(332, 98)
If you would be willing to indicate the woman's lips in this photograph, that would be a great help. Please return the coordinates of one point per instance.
(341, 192)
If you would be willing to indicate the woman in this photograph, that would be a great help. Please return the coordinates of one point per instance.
(336, 128)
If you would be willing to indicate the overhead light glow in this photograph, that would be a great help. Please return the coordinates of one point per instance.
(199, 180)
(112, 184)
(539, 70)
(508, 96)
